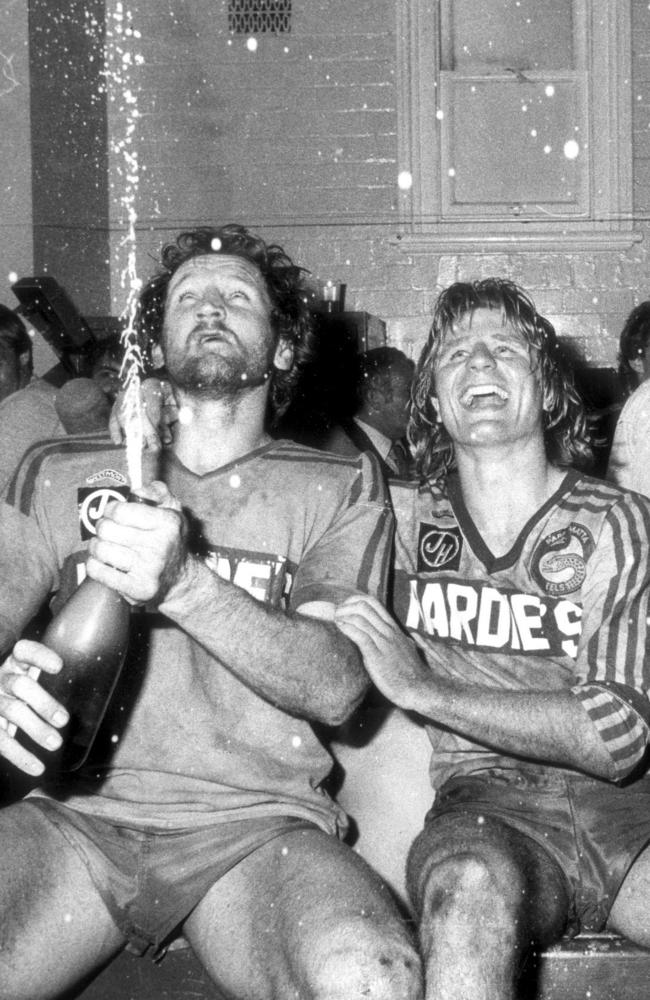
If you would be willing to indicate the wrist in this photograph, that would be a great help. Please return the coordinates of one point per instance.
(180, 593)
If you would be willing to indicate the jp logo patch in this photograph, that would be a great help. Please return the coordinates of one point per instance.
(438, 548)
(559, 563)
(92, 504)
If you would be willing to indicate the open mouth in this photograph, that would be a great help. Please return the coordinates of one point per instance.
(211, 334)
(488, 394)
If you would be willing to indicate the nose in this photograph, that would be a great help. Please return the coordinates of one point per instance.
(211, 304)
(481, 356)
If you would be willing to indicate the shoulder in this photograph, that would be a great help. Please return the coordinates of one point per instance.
(357, 474)
(64, 463)
(596, 501)
(30, 412)
(412, 493)
(634, 416)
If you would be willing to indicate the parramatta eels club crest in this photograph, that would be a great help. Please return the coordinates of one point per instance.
(559, 563)
(439, 548)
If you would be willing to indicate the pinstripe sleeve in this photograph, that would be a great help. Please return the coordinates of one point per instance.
(623, 730)
(612, 669)
(615, 640)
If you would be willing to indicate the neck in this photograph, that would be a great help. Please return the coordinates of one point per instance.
(503, 491)
(211, 433)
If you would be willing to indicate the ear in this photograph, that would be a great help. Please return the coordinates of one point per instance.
(636, 364)
(283, 358)
(157, 356)
(434, 403)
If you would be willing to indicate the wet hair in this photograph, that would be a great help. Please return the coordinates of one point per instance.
(633, 343)
(14, 335)
(566, 435)
(290, 316)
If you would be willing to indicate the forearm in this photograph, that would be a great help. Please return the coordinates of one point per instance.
(539, 725)
(301, 664)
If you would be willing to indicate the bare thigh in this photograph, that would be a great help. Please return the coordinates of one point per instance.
(630, 913)
(54, 926)
(304, 916)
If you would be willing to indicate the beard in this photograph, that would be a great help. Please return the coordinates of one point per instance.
(214, 375)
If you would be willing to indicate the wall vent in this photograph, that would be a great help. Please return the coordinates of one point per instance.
(257, 17)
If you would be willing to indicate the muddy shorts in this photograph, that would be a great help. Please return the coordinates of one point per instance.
(592, 829)
(151, 882)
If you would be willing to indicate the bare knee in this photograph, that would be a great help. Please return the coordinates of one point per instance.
(361, 959)
(472, 887)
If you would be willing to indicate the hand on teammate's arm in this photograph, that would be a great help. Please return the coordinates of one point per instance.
(550, 726)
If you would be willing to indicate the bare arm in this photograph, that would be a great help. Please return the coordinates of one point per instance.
(298, 661)
(539, 725)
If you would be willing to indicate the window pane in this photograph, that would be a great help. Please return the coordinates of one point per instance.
(513, 34)
(506, 142)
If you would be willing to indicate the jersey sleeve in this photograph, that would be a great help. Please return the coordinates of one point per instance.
(352, 555)
(612, 668)
(623, 730)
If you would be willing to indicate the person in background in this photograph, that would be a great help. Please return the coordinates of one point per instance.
(522, 588)
(629, 457)
(16, 361)
(202, 808)
(39, 410)
(384, 377)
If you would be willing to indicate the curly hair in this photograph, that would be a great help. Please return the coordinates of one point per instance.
(633, 344)
(290, 317)
(566, 435)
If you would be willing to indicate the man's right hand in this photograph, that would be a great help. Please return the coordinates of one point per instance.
(159, 414)
(27, 706)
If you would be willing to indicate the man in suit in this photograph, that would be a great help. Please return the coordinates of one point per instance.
(379, 423)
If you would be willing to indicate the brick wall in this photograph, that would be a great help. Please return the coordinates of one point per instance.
(298, 139)
(15, 154)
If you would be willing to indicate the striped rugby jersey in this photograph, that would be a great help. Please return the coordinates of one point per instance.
(566, 608)
(285, 523)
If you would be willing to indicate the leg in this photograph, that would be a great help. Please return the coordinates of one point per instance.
(485, 893)
(630, 915)
(54, 927)
(304, 917)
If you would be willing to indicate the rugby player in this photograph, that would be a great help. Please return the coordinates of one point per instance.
(521, 586)
(201, 809)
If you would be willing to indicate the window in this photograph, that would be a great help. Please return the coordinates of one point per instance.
(515, 123)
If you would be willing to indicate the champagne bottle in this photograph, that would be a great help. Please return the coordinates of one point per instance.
(91, 635)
